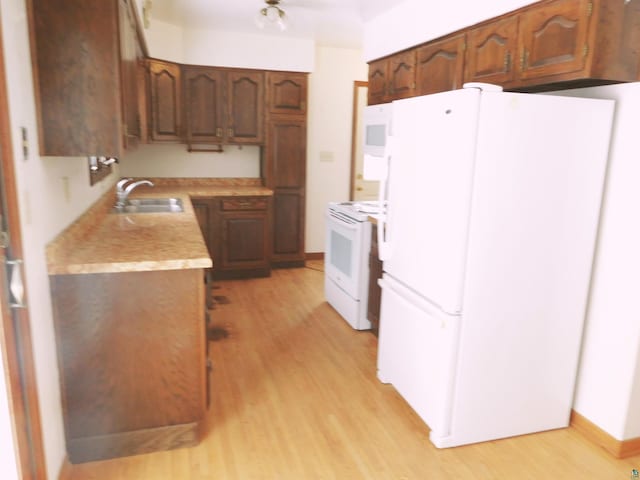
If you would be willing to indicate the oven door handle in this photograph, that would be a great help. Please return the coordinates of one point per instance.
(337, 219)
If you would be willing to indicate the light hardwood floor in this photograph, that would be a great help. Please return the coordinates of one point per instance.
(295, 396)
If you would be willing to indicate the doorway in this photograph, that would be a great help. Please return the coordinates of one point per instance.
(361, 189)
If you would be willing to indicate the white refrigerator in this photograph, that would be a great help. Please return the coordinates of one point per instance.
(487, 244)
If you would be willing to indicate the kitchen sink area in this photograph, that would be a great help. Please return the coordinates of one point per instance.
(150, 205)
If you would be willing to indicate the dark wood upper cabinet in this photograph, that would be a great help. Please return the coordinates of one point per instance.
(392, 78)
(402, 74)
(287, 92)
(286, 152)
(547, 45)
(492, 52)
(245, 107)
(553, 38)
(204, 105)
(440, 65)
(83, 75)
(165, 101)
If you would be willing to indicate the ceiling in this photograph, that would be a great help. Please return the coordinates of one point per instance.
(330, 22)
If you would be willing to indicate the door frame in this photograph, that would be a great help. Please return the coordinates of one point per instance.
(357, 90)
(15, 329)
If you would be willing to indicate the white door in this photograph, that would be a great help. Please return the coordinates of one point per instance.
(429, 189)
(416, 353)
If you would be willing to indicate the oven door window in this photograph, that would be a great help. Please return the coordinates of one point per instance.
(344, 250)
(341, 252)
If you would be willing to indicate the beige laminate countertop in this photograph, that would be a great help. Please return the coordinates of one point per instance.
(101, 242)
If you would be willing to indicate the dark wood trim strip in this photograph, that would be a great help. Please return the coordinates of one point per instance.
(314, 256)
(593, 433)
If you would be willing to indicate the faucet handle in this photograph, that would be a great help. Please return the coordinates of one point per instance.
(120, 185)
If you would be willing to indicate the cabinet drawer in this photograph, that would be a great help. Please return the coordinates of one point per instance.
(245, 204)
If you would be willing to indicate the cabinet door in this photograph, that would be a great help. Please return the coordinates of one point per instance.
(440, 65)
(288, 227)
(491, 52)
(244, 240)
(129, 55)
(287, 92)
(77, 77)
(204, 105)
(553, 38)
(402, 75)
(165, 101)
(245, 107)
(286, 152)
(377, 92)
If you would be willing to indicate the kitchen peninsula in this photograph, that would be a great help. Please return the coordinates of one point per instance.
(129, 315)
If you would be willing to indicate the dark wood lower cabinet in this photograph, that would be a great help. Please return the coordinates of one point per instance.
(132, 360)
(288, 228)
(375, 292)
(237, 232)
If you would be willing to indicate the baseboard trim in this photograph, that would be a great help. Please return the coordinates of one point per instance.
(314, 256)
(593, 433)
(65, 469)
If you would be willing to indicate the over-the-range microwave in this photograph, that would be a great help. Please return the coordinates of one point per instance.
(376, 129)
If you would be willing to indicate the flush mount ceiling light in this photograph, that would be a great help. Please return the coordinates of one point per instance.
(272, 15)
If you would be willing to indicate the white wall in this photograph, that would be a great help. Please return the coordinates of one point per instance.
(416, 21)
(175, 161)
(329, 135)
(608, 387)
(52, 193)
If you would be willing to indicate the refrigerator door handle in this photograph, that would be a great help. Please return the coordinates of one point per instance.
(384, 247)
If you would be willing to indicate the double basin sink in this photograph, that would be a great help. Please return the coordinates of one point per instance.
(150, 205)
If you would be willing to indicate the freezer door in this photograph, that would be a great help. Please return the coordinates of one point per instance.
(428, 193)
(416, 353)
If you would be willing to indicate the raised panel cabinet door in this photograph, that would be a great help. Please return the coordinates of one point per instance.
(440, 65)
(288, 227)
(402, 75)
(553, 38)
(245, 236)
(287, 152)
(491, 55)
(165, 101)
(377, 91)
(204, 105)
(287, 92)
(77, 77)
(245, 107)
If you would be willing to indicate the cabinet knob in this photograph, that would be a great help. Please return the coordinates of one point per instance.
(219, 132)
(230, 132)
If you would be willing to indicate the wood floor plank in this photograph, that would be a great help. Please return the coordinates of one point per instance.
(295, 396)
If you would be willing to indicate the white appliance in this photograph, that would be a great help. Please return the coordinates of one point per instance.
(492, 211)
(348, 242)
(376, 121)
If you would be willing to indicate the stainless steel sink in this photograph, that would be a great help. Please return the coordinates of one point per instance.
(150, 205)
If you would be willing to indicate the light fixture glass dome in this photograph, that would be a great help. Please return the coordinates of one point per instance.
(272, 16)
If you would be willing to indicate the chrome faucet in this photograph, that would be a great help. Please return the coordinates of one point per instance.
(120, 197)
(122, 192)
